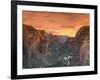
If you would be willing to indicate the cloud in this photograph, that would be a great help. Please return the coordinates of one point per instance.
(55, 22)
(68, 26)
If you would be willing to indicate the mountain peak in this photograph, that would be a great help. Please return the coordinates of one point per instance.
(83, 31)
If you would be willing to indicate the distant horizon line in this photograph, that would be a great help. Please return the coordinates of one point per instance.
(56, 34)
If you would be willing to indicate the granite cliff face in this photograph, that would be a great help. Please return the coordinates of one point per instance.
(35, 47)
(79, 47)
(83, 39)
(41, 49)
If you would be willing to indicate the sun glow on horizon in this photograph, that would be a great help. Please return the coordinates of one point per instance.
(55, 22)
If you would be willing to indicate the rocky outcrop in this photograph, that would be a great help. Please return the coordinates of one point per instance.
(83, 39)
(35, 47)
(78, 47)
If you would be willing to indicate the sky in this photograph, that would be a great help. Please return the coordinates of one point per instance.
(57, 23)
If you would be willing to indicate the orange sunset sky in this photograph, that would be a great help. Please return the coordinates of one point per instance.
(55, 22)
